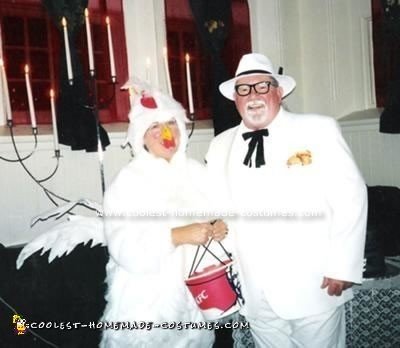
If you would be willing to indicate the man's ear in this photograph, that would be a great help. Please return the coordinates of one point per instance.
(280, 91)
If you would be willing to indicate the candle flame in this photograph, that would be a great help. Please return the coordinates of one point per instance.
(1, 62)
(86, 13)
(165, 51)
(64, 22)
(108, 20)
(26, 69)
(187, 57)
(51, 93)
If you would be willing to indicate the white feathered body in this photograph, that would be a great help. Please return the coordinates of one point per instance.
(146, 272)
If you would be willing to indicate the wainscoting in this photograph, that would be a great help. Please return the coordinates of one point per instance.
(377, 154)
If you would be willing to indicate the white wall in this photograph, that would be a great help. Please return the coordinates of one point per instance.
(324, 45)
(145, 39)
(375, 153)
(336, 65)
(275, 33)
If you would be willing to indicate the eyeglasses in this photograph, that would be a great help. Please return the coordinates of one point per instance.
(156, 126)
(262, 87)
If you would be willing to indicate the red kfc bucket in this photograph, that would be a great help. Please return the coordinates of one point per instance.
(215, 289)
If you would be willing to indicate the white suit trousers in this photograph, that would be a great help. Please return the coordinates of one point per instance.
(325, 330)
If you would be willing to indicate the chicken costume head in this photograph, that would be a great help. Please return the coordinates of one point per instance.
(151, 106)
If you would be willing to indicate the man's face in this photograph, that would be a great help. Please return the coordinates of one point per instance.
(256, 109)
(162, 139)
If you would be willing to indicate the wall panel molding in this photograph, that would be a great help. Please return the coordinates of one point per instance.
(332, 51)
(368, 62)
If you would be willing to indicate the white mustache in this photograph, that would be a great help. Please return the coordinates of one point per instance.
(255, 104)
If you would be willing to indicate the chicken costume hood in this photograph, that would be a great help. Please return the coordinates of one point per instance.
(151, 106)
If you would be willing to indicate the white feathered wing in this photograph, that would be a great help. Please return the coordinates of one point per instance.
(62, 238)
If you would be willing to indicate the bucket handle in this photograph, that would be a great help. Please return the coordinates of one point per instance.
(193, 268)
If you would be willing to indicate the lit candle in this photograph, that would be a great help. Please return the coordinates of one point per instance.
(54, 121)
(189, 84)
(111, 51)
(5, 93)
(30, 98)
(89, 43)
(67, 52)
(148, 63)
(166, 67)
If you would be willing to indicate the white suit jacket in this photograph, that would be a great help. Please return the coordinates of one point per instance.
(295, 224)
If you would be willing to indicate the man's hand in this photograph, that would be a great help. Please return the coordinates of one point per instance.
(335, 286)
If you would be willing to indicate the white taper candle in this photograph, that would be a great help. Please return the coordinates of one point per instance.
(111, 51)
(189, 84)
(89, 43)
(67, 52)
(30, 97)
(54, 121)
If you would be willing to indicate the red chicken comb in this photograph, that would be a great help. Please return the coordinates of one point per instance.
(148, 102)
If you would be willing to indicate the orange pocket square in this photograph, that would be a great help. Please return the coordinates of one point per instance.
(302, 157)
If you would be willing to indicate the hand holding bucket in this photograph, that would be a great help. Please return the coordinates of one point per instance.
(215, 289)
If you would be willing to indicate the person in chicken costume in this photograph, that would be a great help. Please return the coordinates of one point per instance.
(150, 247)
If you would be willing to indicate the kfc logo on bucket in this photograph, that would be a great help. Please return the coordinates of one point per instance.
(202, 296)
(214, 290)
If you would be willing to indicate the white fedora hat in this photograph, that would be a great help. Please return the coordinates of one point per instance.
(255, 64)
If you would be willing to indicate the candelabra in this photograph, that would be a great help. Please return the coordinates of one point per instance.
(93, 106)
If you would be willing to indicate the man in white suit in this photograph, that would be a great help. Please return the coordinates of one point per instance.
(302, 208)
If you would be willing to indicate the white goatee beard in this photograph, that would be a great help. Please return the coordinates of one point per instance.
(256, 110)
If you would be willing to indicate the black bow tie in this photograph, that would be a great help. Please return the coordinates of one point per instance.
(256, 140)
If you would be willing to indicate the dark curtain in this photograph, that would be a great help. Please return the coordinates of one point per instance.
(390, 117)
(213, 19)
(76, 122)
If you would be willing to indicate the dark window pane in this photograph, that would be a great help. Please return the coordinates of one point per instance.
(189, 43)
(105, 94)
(37, 32)
(173, 43)
(179, 94)
(175, 69)
(40, 65)
(18, 97)
(13, 31)
(99, 37)
(102, 66)
(41, 99)
(15, 62)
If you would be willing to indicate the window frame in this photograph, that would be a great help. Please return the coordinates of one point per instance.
(237, 44)
(117, 110)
